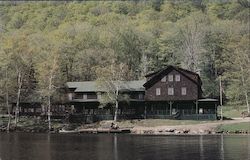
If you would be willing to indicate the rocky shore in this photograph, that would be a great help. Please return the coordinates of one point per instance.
(184, 132)
(195, 129)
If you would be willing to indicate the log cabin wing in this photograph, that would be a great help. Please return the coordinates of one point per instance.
(89, 91)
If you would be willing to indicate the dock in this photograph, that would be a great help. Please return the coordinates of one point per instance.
(96, 130)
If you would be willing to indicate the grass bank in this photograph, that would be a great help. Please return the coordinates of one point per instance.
(232, 111)
(157, 122)
(243, 127)
(30, 124)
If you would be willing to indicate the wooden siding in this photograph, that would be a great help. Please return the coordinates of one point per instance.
(85, 95)
(192, 89)
(136, 95)
(91, 96)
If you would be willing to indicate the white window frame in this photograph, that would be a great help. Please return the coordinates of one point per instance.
(140, 96)
(164, 79)
(158, 91)
(183, 91)
(99, 96)
(170, 91)
(70, 96)
(177, 78)
(170, 78)
(85, 96)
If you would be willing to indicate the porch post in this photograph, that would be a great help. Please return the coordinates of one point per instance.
(145, 111)
(170, 103)
(196, 105)
(166, 109)
(215, 110)
(83, 109)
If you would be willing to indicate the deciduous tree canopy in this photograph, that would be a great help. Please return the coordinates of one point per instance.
(70, 41)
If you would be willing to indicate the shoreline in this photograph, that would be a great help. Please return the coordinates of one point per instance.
(93, 131)
(129, 131)
(139, 127)
(134, 134)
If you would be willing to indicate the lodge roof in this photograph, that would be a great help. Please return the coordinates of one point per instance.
(156, 75)
(91, 86)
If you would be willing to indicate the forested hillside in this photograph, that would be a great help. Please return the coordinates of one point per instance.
(45, 44)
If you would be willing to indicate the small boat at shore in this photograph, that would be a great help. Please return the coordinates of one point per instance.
(95, 130)
(68, 131)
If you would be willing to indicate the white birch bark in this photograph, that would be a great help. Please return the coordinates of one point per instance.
(19, 83)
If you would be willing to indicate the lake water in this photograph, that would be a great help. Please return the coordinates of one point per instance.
(26, 146)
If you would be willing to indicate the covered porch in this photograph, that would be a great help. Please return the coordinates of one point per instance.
(202, 109)
(91, 111)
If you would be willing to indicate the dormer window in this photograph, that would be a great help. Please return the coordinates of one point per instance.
(177, 78)
(170, 78)
(158, 91)
(164, 79)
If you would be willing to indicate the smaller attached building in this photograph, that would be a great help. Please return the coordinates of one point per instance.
(85, 98)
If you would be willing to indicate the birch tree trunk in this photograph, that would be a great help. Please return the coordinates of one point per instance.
(19, 82)
(144, 63)
(49, 101)
(221, 100)
(248, 108)
(8, 107)
(7, 102)
(244, 88)
(116, 103)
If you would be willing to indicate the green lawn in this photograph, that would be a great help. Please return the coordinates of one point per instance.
(243, 126)
(157, 122)
(232, 111)
(31, 122)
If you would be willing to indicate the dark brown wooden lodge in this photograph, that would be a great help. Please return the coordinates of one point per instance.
(171, 92)
(176, 93)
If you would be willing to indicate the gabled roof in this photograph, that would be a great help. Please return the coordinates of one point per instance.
(157, 75)
(153, 73)
(91, 86)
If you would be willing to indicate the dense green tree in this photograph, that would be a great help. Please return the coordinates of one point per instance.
(47, 64)
(111, 79)
(16, 47)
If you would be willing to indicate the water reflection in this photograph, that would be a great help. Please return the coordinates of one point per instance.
(115, 147)
(201, 148)
(20, 146)
(248, 146)
(222, 147)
